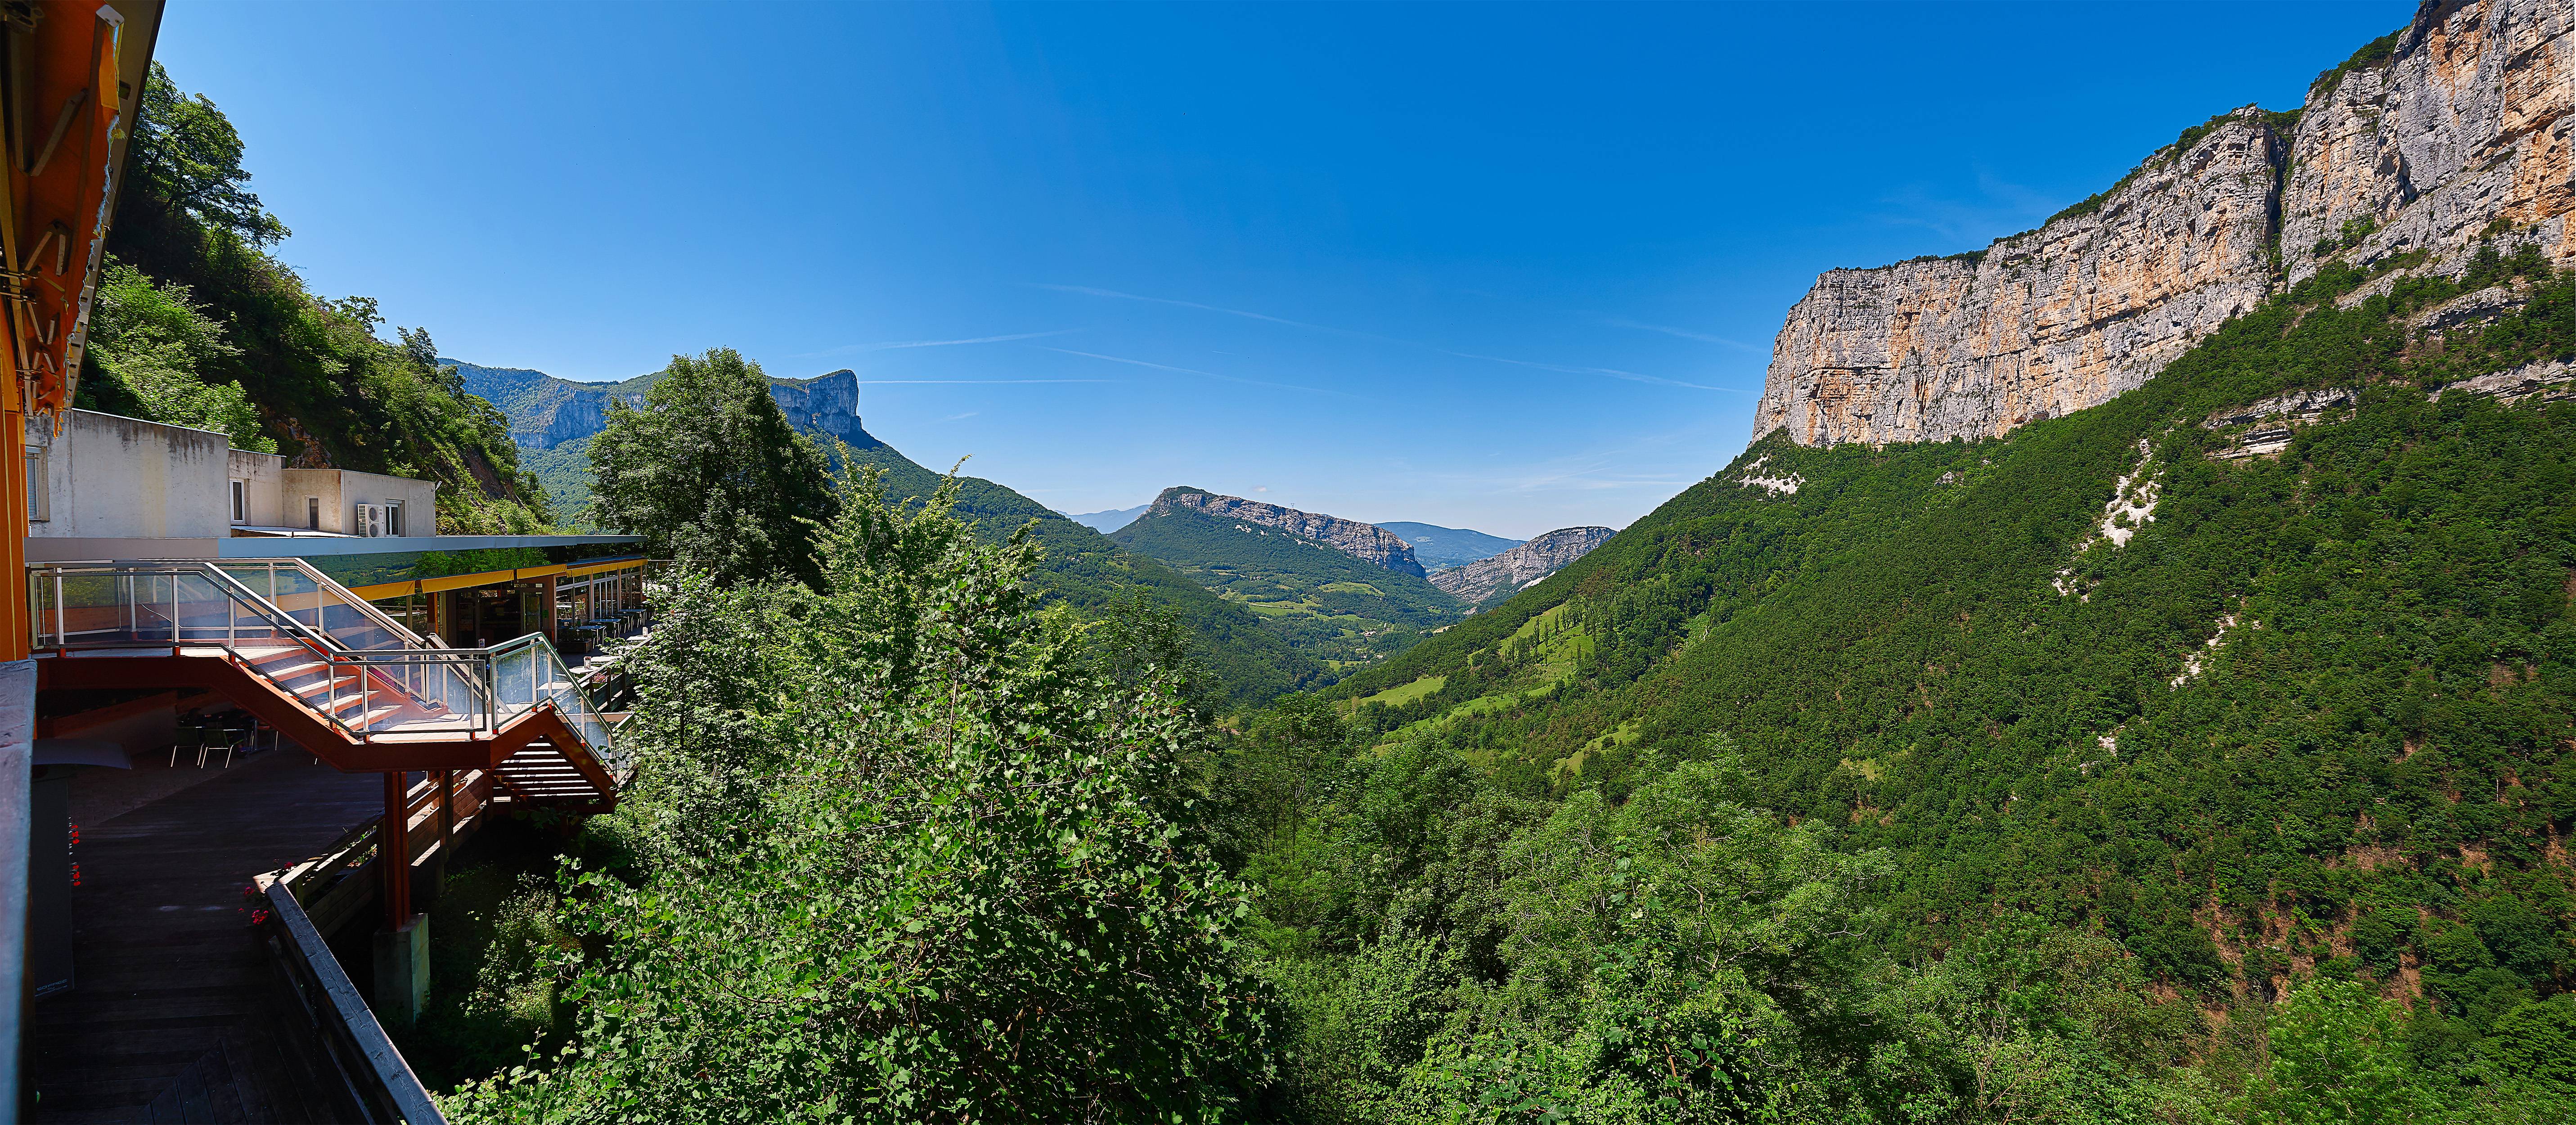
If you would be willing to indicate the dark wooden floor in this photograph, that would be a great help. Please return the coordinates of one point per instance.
(177, 1013)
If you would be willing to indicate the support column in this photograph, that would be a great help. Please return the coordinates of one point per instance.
(393, 851)
(402, 946)
(17, 822)
(446, 832)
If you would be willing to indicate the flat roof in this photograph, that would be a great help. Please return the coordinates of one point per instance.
(307, 547)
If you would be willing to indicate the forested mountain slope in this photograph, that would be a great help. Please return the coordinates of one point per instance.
(198, 325)
(1087, 572)
(1327, 603)
(2265, 669)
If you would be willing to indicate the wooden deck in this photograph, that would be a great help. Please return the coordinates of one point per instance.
(177, 1012)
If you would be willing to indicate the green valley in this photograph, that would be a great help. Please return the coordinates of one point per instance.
(1328, 604)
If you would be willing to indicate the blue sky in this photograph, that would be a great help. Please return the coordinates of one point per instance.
(1509, 268)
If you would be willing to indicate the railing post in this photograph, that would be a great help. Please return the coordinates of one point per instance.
(62, 618)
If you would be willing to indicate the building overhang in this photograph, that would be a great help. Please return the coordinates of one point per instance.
(309, 547)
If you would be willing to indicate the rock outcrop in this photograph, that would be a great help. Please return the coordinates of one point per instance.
(1366, 541)
(2454, 132)
(1485, 579)
(545, 411)
(823, 406)
(2460, 126)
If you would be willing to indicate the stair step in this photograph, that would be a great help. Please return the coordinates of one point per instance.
(287, 670)
(330, 706)
(313, 691)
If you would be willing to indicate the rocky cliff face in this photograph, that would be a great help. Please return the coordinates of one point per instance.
(545, 411)
(2463, 125)
(1365, 541)
(2458, 132)
(823, 406)
(1485, 579)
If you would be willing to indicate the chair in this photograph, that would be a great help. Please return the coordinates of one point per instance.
(236, 733)
(189, 735)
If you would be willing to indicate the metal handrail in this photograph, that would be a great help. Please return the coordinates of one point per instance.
(549, 677)
(325, 582)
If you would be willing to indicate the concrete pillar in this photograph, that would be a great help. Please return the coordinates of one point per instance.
(17, 820)
(402, 971)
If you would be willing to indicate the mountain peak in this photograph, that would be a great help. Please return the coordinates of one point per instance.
(1486, 579)
(1366, 541)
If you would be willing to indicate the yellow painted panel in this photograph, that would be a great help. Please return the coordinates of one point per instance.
(601, 568)
(382, 590)
(540, 571)
(461, 581)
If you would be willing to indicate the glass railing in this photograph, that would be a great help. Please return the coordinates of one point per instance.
(312, 638)
(528, 671)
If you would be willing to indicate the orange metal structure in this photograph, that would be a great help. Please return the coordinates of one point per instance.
(75, 73)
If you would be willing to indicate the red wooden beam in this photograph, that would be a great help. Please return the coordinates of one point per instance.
(393, 851)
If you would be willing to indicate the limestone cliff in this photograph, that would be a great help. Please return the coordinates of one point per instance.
(2459, 126)
(546, 412)
(1366, 541)
(2452, 131)
(823, 406)
(1485, 579)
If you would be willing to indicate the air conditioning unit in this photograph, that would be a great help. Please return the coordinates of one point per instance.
(371, 520)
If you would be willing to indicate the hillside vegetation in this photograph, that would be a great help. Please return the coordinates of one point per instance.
(1783, 799)
(197, 324)
(1324, 602)
(1088, 574)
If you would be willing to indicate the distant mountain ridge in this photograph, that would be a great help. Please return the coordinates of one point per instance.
(1108, 520)
(546, 411)
(1438, 547)
(1491, 579)
(1365, 541)
(1328, 602)
(553, 419)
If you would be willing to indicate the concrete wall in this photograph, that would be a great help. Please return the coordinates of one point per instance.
(342, 490)
(419, 498)
(113, 477)
(304, 486)
(128, 480)
(264, 478)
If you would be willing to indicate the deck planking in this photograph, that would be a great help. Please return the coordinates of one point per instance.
(176, 1011)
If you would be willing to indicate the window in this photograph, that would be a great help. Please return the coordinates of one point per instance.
(38, 510)
(393, 517)
(241, 501)
(313, 513)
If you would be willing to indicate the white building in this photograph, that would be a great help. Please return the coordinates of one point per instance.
(127, 488)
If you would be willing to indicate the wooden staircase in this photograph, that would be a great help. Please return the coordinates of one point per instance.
(334, 675)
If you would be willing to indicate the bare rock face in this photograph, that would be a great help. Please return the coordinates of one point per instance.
(2463, 126)
(2044, 323)
(823, 406)
(2457, 136)
(1366, 541)
(1480, 581)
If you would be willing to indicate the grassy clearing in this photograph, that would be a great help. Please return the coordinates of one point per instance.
(1402, 693)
